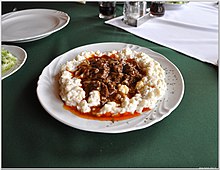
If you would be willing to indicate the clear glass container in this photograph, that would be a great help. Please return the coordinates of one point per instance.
(107, 9)
(157, 9)
(131, 10)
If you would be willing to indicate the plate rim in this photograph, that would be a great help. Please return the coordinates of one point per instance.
(20, 65)
(62, 16)
(101, 130)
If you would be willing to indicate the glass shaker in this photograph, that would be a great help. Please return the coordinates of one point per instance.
(143, 7)
(131, 11)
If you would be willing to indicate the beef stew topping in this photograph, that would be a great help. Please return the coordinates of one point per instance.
(106, 73)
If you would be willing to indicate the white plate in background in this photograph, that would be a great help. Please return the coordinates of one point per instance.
(32, 24)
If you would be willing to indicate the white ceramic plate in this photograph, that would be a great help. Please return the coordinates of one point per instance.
(21, 56)
(48, 93)
(32, 24)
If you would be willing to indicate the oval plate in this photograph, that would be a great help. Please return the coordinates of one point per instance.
(32, 24)
(48, 93)
(20, 54)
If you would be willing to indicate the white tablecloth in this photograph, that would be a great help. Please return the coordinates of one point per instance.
(191, 29)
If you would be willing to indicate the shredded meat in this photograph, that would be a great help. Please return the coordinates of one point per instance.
(106, 73)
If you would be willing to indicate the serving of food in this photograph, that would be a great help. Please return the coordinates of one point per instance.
(113, 85)
(110, 87)
(8, 60)
(13, 58)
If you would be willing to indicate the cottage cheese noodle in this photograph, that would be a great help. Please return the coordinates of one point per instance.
(114, 85)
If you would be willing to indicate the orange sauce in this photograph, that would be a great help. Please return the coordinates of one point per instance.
(146, 109)
(103, 117)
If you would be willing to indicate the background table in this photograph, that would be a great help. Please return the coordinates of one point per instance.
(188, 137)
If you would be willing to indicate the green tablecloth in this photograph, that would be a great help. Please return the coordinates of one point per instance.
(188, 137)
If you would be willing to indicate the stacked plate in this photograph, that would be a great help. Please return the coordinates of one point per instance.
(32, 24)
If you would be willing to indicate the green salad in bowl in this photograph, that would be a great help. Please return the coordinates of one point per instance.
(8, 60)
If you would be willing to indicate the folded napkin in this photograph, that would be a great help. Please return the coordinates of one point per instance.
(191, 29)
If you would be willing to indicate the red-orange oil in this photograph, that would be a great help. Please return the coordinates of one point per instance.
(103, 117)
